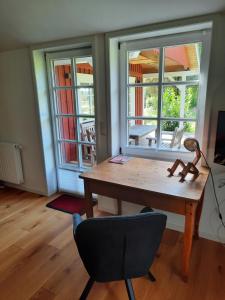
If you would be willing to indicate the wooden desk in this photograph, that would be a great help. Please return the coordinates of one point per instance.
(146, 182)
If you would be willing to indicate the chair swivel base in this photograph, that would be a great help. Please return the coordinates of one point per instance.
(151, 277)
(87, 289)
(129, 287)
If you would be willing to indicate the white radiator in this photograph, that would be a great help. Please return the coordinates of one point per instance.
(10, 163)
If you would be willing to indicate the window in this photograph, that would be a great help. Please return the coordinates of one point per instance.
(73, 109)
(163, 86)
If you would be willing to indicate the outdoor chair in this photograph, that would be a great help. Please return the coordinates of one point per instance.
(170, 143)
(176, 139)
(88, 135)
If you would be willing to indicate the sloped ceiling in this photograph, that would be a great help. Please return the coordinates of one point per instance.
(25, 22)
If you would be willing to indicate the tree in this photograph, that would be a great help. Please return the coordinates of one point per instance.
(171, 107)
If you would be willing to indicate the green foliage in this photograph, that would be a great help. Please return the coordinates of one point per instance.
(191, 99)
(151, 103)
(169, 125)
(171, 102)
(171, 105)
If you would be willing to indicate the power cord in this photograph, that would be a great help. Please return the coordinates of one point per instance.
(214, 190)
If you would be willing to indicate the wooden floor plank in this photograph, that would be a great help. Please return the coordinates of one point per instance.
(43, 294)
(39, 259)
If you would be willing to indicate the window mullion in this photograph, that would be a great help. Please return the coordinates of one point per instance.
(195, 82)
(55, 111)
(73, 87)
(75, 97)
(158, 132)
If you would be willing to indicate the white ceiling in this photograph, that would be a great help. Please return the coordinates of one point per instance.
(24, 22)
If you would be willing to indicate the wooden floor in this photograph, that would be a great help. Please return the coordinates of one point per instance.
(39, 259)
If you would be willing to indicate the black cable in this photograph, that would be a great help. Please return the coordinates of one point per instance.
(214, 190)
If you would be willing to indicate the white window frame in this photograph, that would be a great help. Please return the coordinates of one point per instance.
(203, 36)
(72, 55)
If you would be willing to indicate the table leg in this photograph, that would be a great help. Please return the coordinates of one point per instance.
(119, 207)
(188, 237)
(88, 200)
(198, 215)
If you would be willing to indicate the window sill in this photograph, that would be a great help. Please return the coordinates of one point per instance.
(161, 154)
(72, 168)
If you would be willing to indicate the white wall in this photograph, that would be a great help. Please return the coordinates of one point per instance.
(44, 116)
(210, 225)
(18, 116)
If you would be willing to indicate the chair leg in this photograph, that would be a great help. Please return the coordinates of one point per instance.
(87, 289)
(151, 277)
(130, 290)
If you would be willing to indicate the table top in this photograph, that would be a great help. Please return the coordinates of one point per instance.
(149, 175)
(141, 130)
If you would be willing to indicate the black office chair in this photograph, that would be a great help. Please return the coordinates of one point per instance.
(118, 247)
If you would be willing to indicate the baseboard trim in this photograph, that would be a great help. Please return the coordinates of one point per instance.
(209, 236)
(27, 189)
(176, 227)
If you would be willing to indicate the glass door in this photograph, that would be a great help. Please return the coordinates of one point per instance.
(71, 83)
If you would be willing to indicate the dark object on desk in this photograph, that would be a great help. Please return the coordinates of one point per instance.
(192, 145)
(118, 248)
(220, 140)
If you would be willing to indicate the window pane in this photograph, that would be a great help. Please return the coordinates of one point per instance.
(68, 153)
(67, 128)
(64, 101)
(143, 101)
(180, 101)
(86, 101)
(171, 103)
(182, 63)
(87, 130)
(62, 72)
(84, 71)
(191, 101)
(88, 155)
(189, 129)
(173, 134)
(87, 134)
(142, 133)
(143, 65)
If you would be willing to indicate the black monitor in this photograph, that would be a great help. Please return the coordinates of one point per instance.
(220, 140)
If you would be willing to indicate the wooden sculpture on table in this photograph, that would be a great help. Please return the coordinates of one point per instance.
(192, 145)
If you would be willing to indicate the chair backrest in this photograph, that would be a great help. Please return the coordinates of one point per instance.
(87, 130)
(120, 247)
(177, 137)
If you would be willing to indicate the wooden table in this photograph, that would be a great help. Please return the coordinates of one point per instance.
(146, 182)
(138, 131)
